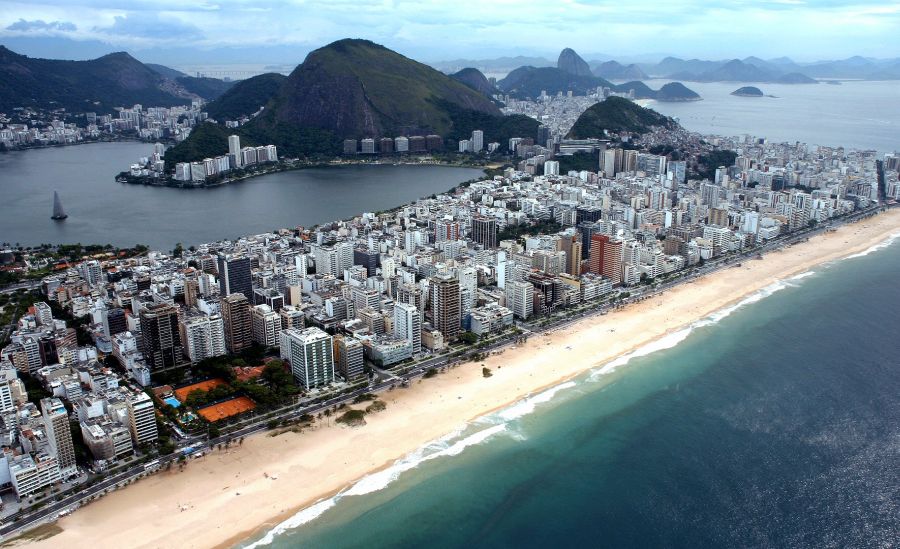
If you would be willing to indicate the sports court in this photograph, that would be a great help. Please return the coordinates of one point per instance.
(226, 409)
(182, 393)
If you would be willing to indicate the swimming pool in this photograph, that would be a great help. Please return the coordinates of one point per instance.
(172, 401)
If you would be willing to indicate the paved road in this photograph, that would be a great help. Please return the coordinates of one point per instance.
(26, 285)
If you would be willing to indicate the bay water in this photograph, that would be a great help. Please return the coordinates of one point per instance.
(854, 114)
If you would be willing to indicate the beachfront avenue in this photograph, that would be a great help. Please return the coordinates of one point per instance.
(119, 363)
(558, 321)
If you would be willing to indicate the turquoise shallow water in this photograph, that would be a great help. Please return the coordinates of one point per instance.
(776, 424)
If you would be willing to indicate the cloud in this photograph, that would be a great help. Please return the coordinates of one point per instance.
(39, 25)
(439, 29)
(149, 25)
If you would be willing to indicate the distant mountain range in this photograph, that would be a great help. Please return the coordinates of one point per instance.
(614, 70)
(573, 74)
(500, 65)
(99, 85)
(771, 70)
(738, 71)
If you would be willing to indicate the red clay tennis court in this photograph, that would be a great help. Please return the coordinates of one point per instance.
(226, 409)
(182, 393)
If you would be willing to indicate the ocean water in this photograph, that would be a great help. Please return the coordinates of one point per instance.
(855, 114)
(773, 423)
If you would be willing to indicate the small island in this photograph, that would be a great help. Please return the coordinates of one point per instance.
(748, 91)
(674, 92)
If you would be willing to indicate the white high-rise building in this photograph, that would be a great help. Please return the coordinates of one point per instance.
(408, 325)
(468, 286)
(56, 421)
(551, 167)
(10, 385)
(333, 260)
(203, 336)
(234, 149)
(477, 141)
(519, 298)
(43, 314)
(31, 474)
(265, 326)
(310, 355)
(91, 272)
(142, 418)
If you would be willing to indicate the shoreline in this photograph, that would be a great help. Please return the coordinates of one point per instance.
(78, 143)
(287, 166)
(275, 522)
(317, 464)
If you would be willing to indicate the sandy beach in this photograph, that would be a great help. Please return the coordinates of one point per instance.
(226, 496)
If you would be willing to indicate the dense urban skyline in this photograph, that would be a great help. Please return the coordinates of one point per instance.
(364, 263)
(197, 31)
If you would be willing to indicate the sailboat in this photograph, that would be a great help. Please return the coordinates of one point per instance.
(58, 213)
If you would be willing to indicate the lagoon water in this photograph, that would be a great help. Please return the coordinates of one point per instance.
(854, 114)
(102, 211)
(773, 424)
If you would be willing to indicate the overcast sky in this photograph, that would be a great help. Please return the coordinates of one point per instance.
(283, 31)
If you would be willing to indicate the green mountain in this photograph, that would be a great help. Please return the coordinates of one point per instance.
(357, 89)
(98, 85)
(168, 72)
(496, 128)
(572, 63)
(476, 80)
(641, 90)
(207, 140)
(531, 81)
(617, 114)
(245, 97)
(676, 92)
(352, 89)
(205, 87)
(673, 91)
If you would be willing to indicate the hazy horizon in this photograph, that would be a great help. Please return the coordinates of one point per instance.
(284, 31)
